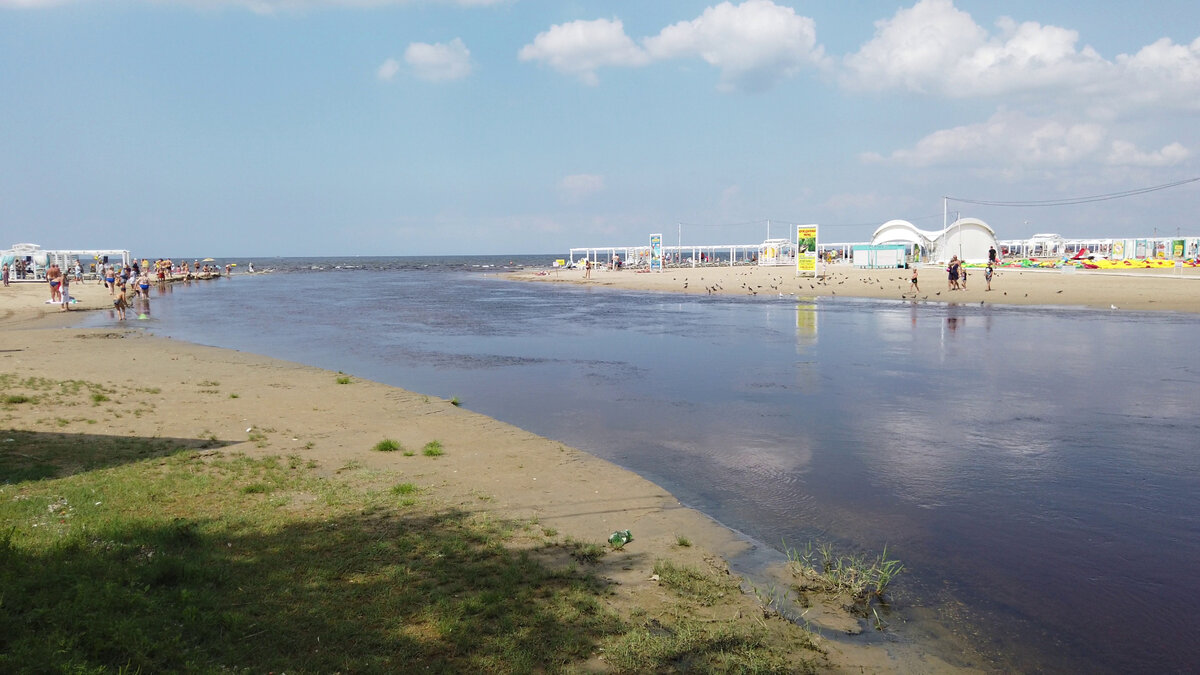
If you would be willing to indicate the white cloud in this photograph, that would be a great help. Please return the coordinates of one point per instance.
(439, 62)
(580, 47)
(387, 70)
(1124, 153)
(754, 45)
(576, 187)
(933, 47)
(1013, 139)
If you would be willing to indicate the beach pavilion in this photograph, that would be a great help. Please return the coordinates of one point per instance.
(968, 238)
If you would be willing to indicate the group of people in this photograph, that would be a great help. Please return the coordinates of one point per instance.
(957, 272)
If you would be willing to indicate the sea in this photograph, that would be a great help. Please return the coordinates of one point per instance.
(1035, 469)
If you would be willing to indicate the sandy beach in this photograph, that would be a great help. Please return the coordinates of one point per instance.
(1153, 290)
(260, 406)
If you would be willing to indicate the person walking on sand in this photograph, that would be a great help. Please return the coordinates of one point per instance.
(912, 284)
(587, 268)
(987, 276)
(962, 275)
(5, 274)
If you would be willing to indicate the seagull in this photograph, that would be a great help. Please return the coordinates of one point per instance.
(1112, 307)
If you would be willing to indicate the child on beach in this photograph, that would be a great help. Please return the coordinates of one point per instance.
(912, 284)
(987, 276)
(119, 302)
(65, 293)
(962, 275)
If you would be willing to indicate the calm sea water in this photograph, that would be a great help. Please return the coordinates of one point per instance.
(1036, 469)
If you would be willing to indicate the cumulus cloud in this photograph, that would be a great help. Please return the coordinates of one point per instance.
(1124, 153)
(1014, 139)
(935, 48)
(576, 187)
(579, 48)
(387, 70)
(439, 62)
(754, 45)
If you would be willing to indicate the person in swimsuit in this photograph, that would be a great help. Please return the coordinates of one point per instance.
(952, 274)
(54, 276)
(912, 284)
(987, 276)
(110, 280)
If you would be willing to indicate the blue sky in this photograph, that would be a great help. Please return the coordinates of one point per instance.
(306, 127)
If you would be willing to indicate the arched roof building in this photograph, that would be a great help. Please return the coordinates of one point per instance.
(967, 238)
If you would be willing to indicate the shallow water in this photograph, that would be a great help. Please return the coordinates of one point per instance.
(1036, 469)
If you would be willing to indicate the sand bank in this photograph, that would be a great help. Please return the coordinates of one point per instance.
(260, 406)
(1159, 290)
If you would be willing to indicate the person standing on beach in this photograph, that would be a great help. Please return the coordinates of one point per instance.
(119, 302)
(962, 275)
(952, 274)
(65, 293)
(54, 278)
(987, 276)
(992, 255)
(587, 268)
(912, 284)
(5, 274)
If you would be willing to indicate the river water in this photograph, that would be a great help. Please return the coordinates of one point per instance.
(1037, 470)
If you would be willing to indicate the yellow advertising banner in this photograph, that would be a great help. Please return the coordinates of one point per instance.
(806, 249)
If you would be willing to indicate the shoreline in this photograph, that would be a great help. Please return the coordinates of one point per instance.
(262, 406)
(1148, 290)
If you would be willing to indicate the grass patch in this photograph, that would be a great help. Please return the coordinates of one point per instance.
(405, 489)
(682, 541)
(387, 445)
(14, 399)
(862, 580)
(344, 379)
(433, 449)
(455, 402)
(705, 588)
(150, 565)
(585, 552)
(97, 399)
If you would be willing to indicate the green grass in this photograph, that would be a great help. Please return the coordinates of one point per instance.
(455, 402)
(683, 541)
(344, 379)
(863, 580)
(705, 588)
(404, 489)
(433, 449)
(387, 445)
(17, 398)
(188, 562)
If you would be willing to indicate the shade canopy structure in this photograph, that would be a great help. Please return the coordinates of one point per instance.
(968, 238)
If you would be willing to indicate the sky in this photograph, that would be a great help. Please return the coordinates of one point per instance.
(427, 127)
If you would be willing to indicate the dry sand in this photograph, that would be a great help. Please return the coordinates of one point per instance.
(489, 467)
(1160, 290)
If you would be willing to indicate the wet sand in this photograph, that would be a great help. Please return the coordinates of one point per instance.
(489, 467)
(1155, 290)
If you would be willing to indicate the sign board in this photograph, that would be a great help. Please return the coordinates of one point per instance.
(806, 250)
(656, 261)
